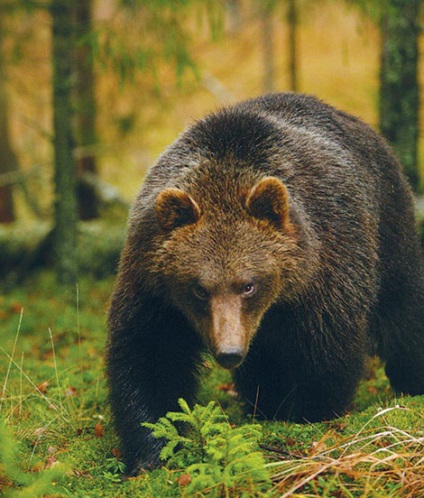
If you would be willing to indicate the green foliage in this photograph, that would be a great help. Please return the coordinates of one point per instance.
(217, 458)
(114, 470)
(147, 34)
(14, 481)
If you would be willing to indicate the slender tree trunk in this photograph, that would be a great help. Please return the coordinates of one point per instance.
(8, 159)
(268, 48)
(65, 231)
(292, 19)
(234, 11)
(85, 106)
(399, 92)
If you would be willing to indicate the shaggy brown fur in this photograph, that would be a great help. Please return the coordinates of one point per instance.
(279, 235)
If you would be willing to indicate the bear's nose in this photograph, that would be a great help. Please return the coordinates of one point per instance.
(230, 358)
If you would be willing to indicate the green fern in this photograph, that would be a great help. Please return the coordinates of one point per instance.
(220, 460)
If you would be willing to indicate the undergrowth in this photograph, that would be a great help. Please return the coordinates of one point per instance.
(378, 460)
(57, 438)
(217, 459)
(21, 484)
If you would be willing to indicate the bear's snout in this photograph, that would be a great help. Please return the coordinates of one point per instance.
(230, 358)
(228, 336)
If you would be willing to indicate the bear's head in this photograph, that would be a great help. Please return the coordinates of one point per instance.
(223, 264)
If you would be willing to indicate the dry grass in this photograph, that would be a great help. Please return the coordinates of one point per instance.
(374, 462)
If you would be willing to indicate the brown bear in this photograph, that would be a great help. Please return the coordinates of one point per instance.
(279, 235)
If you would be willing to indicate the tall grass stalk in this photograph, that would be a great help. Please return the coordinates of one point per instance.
(3, 396)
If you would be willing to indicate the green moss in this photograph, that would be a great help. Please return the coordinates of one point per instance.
(25, 248)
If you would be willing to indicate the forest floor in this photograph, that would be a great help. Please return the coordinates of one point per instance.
(58, 439)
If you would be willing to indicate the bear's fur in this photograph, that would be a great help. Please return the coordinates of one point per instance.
(279, 235)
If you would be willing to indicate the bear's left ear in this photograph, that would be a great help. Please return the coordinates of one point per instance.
(174, 208)
(269, 200)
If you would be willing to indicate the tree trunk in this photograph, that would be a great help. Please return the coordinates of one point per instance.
(399, 93)
(268, 47)
(65, 231)
(85, 106)
(234, 12)
(292, 20)
(8, 159)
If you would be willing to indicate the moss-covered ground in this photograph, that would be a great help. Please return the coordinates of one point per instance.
(57, 438)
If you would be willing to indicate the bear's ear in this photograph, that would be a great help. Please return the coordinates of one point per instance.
(174, 208)
(269, 200)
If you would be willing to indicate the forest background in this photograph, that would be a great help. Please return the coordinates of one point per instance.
(91, 92)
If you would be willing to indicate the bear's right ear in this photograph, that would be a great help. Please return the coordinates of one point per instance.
(269, 200)
(174, 208)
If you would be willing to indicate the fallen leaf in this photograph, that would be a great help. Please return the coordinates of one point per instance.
(227, 388)
(37, 467)
(317, 447)
(80, 473)
(71, 391)
(99, 430)
(51, 460)
(39, 431)
(16, 308)
(184, 479)
(116, 452)
(339, 426)
(43, 387)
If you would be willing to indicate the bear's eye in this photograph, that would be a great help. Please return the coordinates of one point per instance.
(249, 289)
(201, 293)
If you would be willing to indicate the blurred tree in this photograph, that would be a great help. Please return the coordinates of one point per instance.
(267, 11)
(399, 91)
(85, 110)
(8, 158)
(266, 8)
(399, 98)
(65, 229)
(15, 33)
(235, 16)
(292, 20)
(147, 33)
(234, 10)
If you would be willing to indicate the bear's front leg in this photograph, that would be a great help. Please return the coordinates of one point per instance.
(300, 373)
(152, 360)
(275, 387)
